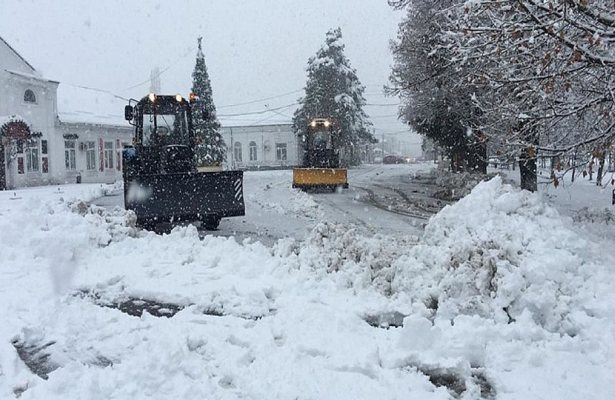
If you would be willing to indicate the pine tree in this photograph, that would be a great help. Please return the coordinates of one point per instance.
(334, 91)
(211, 149)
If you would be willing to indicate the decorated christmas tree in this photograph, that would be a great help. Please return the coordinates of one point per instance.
(211, 149)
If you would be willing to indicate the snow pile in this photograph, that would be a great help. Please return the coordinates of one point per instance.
(502, 253)
(356, 260)
(499, 253)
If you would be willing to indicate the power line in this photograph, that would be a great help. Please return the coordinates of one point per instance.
(98, 90)
(259, 100)
(259, 112)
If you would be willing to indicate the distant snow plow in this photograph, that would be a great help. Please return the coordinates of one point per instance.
(319, 178)
(320, 160)
(161, 180)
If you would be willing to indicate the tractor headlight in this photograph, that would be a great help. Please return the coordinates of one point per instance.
(327, 123)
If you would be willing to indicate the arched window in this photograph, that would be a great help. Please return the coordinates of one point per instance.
(29, 96)
(253, 156)
(238, 151)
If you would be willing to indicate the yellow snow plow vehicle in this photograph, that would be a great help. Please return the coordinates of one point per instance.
(320, 167)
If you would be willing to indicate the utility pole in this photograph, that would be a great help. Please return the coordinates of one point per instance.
(232, 150)
(154, 81)
(382, 152)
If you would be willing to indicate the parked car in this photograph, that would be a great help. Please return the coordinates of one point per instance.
(391, 159)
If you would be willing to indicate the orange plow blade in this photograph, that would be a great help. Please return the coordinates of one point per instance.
(319, 178)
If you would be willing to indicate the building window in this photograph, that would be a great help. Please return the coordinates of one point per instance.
(90, 156)
(108, 155)
(280, 151)
(44, 152)
(238, 151)
(32, 156)
(29, 96)
(253, 156)
(70, 156)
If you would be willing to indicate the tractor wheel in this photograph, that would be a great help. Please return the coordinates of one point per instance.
(146, 224)
(211, 222)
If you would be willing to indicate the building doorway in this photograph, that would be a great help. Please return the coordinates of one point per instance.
(12, 132)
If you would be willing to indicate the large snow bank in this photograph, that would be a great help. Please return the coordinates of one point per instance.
(501, 252)
(501, 295)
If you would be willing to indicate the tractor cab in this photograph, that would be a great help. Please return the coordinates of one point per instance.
(161, 179)
(321, 135)
(163, 127)
(319, 148)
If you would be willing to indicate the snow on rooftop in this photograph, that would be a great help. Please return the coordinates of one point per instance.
(35, 76)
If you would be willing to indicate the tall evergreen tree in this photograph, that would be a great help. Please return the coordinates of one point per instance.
(211, 149)
(334, 91)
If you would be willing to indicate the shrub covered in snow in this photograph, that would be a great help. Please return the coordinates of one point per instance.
(603, 215)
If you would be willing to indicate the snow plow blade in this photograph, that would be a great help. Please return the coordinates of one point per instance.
(306, 178)
(189, 196)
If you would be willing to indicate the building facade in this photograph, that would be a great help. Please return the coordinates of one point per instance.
(265, 146)
(91, 152)
(36, 146)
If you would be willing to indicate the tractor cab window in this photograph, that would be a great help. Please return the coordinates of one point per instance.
(165, 129)
(322, 140)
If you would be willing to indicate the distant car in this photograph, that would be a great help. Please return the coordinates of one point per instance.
(390, 159)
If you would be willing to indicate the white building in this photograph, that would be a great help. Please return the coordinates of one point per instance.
(250, 147)
(52, 133)
(44, 141)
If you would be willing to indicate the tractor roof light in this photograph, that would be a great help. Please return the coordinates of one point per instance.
(178, 97)
(192, 96)
(151, 97)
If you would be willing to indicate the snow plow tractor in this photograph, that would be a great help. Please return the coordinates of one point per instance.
(161, 180)
(320, 168)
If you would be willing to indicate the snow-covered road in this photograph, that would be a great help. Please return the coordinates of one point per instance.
(274, 210)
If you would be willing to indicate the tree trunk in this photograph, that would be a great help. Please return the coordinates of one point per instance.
(600, 169)
(477, 158)
(591, 170)
(574, 164)
(527, 171)
(457, 161)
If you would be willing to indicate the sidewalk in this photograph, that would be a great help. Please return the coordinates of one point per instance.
(571, 197)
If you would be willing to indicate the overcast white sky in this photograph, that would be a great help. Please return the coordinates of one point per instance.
(254, 49)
